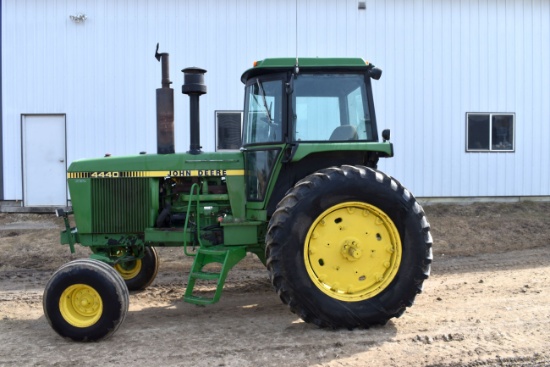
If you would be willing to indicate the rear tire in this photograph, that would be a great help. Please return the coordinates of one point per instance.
(85, 300)
(139, 274)
(348, 247)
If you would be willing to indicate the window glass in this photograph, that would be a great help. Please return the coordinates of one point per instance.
(263, 112)
(259, 165)
(503, 132)
(478, 132)
(316, 117)
(228, 130)
(330, 107)
(358, 114)
(490, 132)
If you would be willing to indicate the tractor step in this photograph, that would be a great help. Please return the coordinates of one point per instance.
(226, 256)
(205, 275)
(199, 301)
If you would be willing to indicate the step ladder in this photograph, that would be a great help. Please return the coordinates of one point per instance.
(227, 256)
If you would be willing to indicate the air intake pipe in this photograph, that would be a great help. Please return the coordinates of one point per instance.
(193, 85)
(165, 108)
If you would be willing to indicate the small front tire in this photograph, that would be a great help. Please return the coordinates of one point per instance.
(85, 300)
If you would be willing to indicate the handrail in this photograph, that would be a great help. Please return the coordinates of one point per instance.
(195, 185)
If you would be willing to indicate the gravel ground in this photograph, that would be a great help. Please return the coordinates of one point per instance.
(486, 304)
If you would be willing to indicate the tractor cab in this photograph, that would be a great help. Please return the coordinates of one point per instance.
(313, 103)
(300, 115)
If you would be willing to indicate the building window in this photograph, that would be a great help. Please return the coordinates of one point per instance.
(228, 130)
(490, 132)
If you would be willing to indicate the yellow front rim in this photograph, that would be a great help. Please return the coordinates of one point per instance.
(81, 305)
(129, 270)
(352, 251)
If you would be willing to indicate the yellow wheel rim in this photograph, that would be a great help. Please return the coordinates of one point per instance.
(129, 269)
(352, 251)
(81, 305)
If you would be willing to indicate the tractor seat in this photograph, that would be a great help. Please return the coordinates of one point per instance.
(344, 132)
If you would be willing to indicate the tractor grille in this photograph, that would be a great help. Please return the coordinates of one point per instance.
(120, 205)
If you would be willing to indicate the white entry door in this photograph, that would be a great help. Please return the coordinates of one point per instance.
(44, 160)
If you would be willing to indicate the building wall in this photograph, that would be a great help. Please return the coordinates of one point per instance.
(447, 58)
(441, 59)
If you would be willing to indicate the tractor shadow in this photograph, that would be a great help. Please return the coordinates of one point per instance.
(249, 323)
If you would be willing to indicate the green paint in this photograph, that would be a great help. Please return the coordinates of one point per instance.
(305, 149)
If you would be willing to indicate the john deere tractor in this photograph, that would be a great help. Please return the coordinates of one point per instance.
(345, 245)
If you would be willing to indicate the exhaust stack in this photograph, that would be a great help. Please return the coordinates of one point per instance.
(193, 85)
(165, 108)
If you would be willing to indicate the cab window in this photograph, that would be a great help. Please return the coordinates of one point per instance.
(331, 107)
(263, 112)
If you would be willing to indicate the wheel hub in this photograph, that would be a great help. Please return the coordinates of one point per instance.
(80, 305)
(129, 269)
(352, 251)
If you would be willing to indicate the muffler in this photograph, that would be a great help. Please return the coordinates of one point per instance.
(165, 108)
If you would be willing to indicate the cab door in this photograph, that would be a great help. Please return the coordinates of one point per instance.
(264, 135)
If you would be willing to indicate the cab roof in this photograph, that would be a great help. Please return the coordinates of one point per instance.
(274, 65)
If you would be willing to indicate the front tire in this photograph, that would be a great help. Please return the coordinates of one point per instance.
(139, 274)
(348, 247)
(85, 300)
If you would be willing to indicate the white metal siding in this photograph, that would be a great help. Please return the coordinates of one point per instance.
(441, 59)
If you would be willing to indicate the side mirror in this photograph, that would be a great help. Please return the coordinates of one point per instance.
(386, 135)
(375, 73)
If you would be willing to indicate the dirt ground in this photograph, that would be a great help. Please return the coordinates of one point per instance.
(485, 304)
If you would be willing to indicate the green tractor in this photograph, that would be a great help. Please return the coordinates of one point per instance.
(345, 245)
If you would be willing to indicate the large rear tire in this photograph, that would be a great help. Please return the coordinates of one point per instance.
(139, 274)
(348, 247)
(85, 300)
